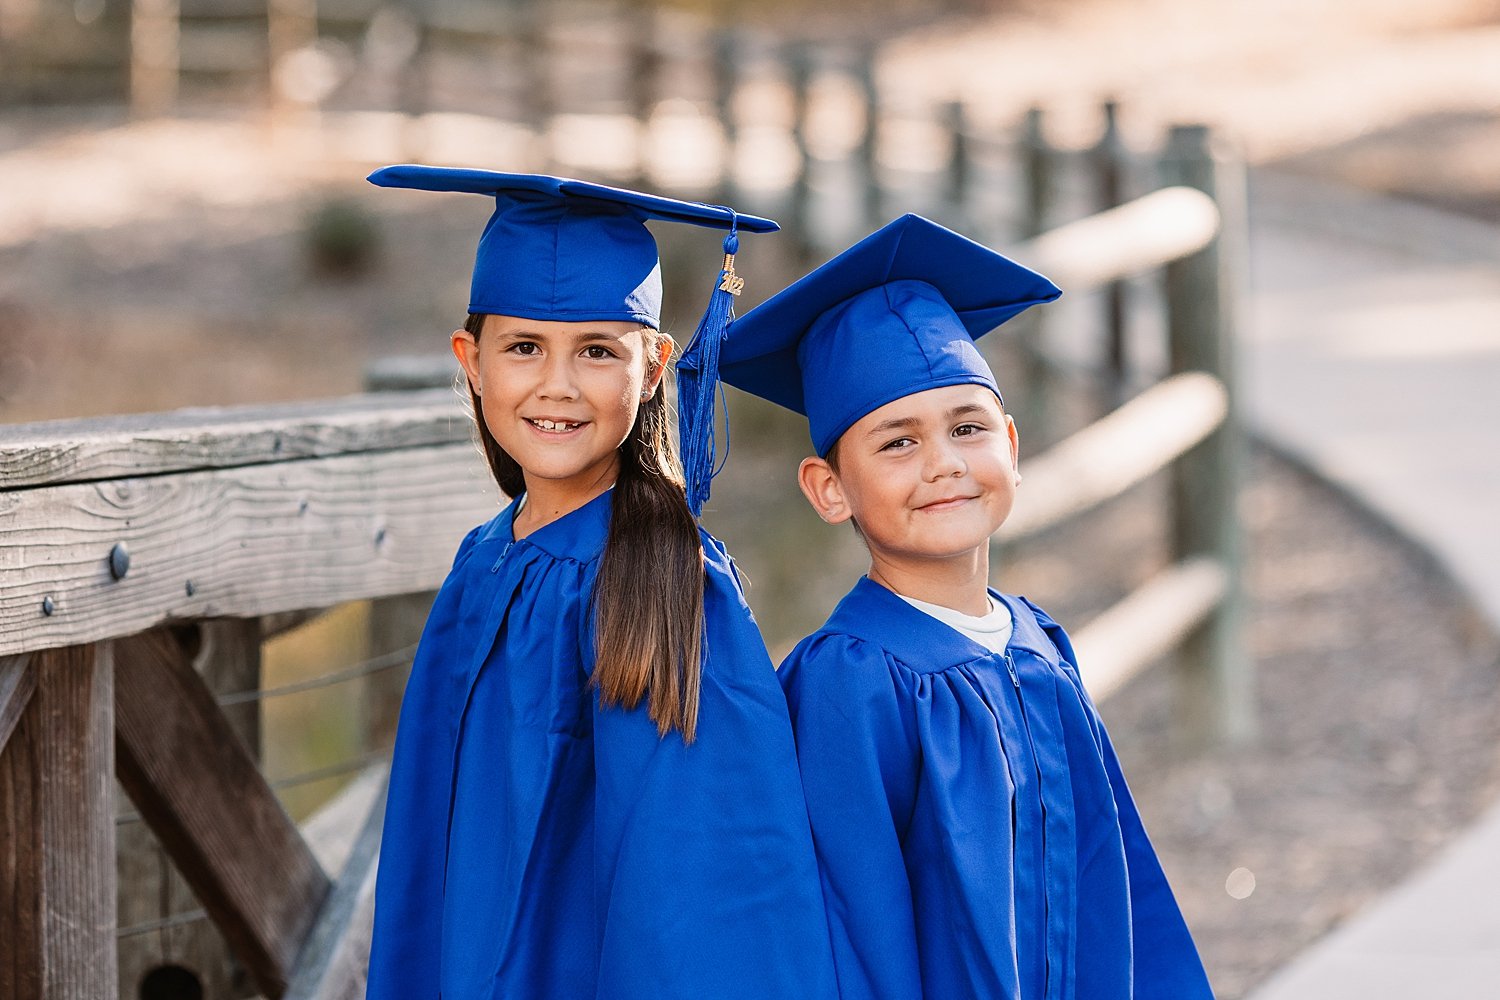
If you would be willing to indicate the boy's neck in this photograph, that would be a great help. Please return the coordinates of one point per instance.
(959, 582)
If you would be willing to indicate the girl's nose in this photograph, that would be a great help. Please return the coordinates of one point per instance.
(557, 380)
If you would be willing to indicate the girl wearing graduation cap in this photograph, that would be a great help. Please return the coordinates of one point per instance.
(975, 835)
(594, 790)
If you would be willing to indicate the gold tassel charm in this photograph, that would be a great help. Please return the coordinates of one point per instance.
(731, 283)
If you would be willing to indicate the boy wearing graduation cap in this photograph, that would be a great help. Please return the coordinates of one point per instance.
(594, 790)
(974, 833)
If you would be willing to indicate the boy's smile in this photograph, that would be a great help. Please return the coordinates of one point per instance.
(926, 478)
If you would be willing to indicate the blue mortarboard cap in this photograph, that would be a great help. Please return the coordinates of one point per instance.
(895, 314)
(563, 249)
(570, 250)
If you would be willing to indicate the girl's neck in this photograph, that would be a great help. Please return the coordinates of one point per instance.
(960, 583)
(548, 500)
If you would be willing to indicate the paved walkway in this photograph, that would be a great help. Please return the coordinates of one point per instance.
(1373, 353)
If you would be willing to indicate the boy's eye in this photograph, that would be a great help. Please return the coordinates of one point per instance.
(967, 430)
(525, 348)
(898, 444)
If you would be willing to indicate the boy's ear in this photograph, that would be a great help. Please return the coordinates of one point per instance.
(466, 350)
(820, 484)
(1015, 447)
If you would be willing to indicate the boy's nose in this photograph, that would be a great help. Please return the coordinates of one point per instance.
(942, 462)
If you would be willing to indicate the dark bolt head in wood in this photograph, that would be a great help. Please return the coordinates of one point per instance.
(119, 561)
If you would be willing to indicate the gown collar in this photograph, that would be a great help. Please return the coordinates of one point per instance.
(578, 535)
(875, 614)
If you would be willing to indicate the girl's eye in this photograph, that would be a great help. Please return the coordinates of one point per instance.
(525, 348)
(594, 352)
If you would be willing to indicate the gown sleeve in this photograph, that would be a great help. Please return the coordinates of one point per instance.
(706, 880)
(1165, 960)
(406, 945)
(859, 761)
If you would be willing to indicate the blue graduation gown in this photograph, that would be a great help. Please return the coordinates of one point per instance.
(538, 845)
(974, 832)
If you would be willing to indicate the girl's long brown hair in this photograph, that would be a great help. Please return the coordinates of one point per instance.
(648, 598)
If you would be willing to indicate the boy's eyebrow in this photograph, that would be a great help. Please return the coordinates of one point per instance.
(902, 423)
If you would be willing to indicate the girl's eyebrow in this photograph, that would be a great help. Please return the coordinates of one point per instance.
(588, 337)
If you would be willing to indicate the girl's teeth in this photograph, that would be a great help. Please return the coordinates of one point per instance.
(552, 425)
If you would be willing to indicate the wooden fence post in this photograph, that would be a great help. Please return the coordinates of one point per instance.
(1109, 163)
(532, 43)
(960, 173)
(1217, 686)
(799, 68)
(726, 77)
(872, 196)
(57, 829)
(645, 72)
(154, 44)
(1037, 186)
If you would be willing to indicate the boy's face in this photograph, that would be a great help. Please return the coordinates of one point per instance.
(928, 476)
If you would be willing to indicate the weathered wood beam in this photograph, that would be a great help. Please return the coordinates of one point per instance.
(17, 684)
(1148, 624)
(91, 561)
(54, 452)
(1137, 237)
(199, 790)
(227, 654)
(1116, 452)
(57, 834)
(334, 961)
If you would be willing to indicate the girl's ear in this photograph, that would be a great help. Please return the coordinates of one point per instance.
(466, 350)
(658, 355)
(820, 484)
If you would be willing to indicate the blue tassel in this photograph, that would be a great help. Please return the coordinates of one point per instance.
(698, 380)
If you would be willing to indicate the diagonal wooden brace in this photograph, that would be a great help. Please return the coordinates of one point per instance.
(199, 790)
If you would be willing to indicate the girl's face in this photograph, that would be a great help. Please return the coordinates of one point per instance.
(929, 476)
(561, 397)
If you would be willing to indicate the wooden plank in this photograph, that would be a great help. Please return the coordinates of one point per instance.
(1116, 452)
(1148, 624)
(53, 452)
(17, 684)
(1134, 238)
(226, 653)
(233, 542)
(57, 834)
(20, 875)
(334, 962)
(201, 793)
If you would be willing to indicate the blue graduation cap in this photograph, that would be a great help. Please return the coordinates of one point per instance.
(895, 314)
(561, 249)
